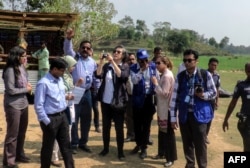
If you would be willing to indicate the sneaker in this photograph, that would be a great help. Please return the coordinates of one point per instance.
(156, 157)
(168, 164)
(56, 163)
(98, 130)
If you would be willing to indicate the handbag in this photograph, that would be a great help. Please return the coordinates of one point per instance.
(118, 104)
(30, 97)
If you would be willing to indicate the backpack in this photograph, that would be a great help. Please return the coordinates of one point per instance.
(202, 75)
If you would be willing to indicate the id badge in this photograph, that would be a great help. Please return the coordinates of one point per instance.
(87, 79)
(187, 99)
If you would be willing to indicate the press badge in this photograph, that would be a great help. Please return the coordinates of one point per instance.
(187, 99)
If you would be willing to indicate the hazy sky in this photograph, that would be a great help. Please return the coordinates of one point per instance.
(211, 18)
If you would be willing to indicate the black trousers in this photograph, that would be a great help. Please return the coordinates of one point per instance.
(193, 136)
(109, 114)
(129, 119)
(244, 129)
(167, 144)
(58, 129)
(142, 121)
(95, 107)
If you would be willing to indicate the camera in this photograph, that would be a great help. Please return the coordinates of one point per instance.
(104, 55)
(241, 116)
(198, 88)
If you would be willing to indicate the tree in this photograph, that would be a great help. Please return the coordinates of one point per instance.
(178, 41)
(127, 27)
(160, 32)
(224, 42)
(94, 22)
(141, 29)
(212, 42)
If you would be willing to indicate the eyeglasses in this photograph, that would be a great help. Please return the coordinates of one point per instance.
(117, 51)
(85, 47)
(188, 60)
(158, 63)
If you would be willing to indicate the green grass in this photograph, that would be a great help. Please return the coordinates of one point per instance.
(226, 63)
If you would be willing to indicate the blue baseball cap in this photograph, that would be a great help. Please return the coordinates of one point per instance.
(142, 54)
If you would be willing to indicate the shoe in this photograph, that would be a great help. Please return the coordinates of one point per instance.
(85, 148)
(156, 157)
(104, 152)
(121, 157)
(23, 157)
(23, 160)
(56, 163)
(10, 166)
(98, 130)
(168, 164)
(207, 141)
(150, 142)
(143, 154)
(135, 150)
(129, 139)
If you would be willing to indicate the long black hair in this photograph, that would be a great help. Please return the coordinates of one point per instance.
(13, 60)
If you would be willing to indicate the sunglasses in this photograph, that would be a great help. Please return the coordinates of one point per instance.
(157, 63)
(188, 60)
(84, 47)
(142, 60)
(117, 51)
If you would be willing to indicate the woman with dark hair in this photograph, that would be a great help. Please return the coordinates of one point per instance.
(114, 75)
(15, 106)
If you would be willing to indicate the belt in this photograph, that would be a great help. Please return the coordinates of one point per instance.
(56, 114)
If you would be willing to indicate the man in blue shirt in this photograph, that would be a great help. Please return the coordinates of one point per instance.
(50, 105)
(84, 70)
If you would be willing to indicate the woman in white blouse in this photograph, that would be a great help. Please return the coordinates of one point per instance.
(163, 89)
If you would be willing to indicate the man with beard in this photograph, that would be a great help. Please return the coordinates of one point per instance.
(84, 70)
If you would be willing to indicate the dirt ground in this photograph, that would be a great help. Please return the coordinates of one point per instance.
(93, 160)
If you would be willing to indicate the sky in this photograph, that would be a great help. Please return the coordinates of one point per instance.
(211, 18)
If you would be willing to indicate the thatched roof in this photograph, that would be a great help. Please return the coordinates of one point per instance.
(31, 21)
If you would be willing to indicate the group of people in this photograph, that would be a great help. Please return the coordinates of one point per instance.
(130, 88)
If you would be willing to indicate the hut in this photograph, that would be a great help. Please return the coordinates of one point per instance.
(32, 28)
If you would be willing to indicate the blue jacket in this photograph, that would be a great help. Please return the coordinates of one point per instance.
(139, 91)
(202, 109)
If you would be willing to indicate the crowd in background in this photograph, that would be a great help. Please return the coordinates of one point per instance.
(130, 88)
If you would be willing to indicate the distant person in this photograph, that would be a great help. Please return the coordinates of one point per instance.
(157, 53)
(143, 105)
(163, 89)
(129, 110)
(94, 90)
(84, 70)
(15, 107)
(212, 66)
(43, 59)
(241, 90)
(50, 105)
(193, 90)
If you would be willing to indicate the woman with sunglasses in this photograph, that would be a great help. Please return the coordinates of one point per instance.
(15, 106)
(114, 75)
(163, 90)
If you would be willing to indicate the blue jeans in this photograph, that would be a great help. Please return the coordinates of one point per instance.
(83, 112)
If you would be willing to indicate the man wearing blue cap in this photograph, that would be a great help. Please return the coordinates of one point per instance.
(143, 106)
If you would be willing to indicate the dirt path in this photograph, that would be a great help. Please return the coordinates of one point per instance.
(84, 160)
